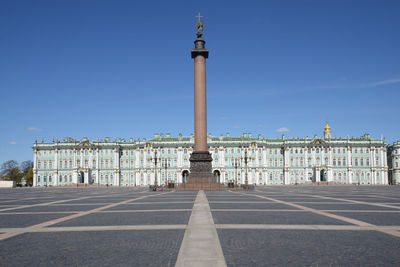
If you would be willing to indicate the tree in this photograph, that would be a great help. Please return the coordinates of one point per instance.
(26, 165)
(7, 166)
(29, 177)
(14, 175)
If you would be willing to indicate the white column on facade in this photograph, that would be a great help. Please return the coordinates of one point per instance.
(97, 166)
(56, 167)
(222, 150)
(81, 152)
(117, 169)
(35, 167)
(264, 157)
(349, 165)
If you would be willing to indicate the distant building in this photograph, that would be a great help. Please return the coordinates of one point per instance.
(279, 161)
(394, 163)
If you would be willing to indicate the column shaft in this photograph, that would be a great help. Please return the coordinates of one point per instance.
(200, 104)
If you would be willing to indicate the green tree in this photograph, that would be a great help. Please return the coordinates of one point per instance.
(29, 177)
(14, 175)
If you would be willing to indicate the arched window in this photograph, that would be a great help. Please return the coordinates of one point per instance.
(60, 178)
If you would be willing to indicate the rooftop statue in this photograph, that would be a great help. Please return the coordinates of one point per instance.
(199, 26)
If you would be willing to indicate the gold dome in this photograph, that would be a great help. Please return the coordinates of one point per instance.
(327, 127)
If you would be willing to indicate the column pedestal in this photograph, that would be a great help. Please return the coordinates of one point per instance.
(201, 176)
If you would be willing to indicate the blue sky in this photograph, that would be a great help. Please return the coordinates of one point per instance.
(123, 68)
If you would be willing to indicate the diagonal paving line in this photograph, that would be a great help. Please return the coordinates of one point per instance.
(73, 216)
(327, 214)
(345, 200)
(358, 202)
(200, 244)
(305, 227)
(53, 202)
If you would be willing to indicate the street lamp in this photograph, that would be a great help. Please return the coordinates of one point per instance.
(165, 164)
(155, 168)
(236, 165)
(246, 158)
(246, 161)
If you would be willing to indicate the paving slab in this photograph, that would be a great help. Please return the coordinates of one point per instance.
(120, 218)
(260, 205)
(221, 217)
(153, 206)
(308, 248)
(110, 248)
(24, 220)
(51, 208)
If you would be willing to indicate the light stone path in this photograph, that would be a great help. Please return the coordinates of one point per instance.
(200, 245)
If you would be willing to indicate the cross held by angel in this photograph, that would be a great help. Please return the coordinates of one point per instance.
(199, 26)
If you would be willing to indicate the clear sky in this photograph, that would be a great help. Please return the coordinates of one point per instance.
(123, 68)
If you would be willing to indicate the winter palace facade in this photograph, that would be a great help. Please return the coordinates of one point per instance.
(280, 161)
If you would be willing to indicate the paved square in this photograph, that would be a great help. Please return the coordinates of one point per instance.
(270, 226)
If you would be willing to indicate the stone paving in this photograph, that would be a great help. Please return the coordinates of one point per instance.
(270, 226)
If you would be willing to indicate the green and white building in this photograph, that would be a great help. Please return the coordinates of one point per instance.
(121, 162)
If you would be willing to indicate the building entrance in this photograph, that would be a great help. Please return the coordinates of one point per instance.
(81, 177)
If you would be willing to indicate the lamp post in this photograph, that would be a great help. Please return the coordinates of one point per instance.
(165, 165)
(155, 159)
(246, 181)
(236, 165)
